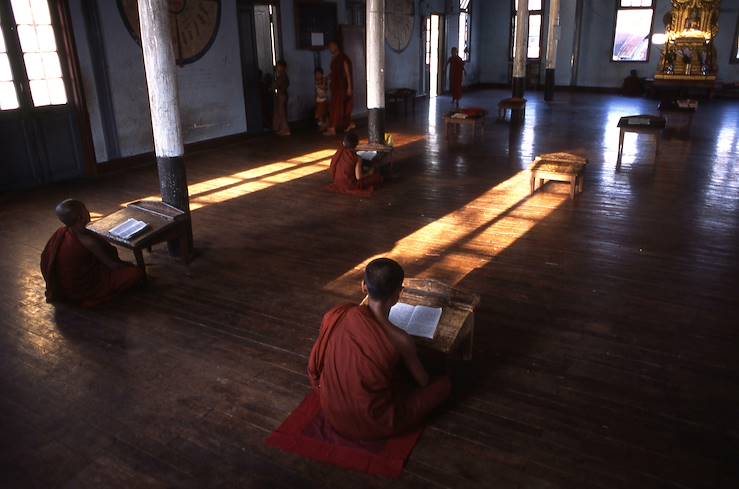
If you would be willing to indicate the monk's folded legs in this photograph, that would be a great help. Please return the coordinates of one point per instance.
(418, 404)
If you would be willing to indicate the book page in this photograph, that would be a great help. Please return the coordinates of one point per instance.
(400, 314)
(424, 321)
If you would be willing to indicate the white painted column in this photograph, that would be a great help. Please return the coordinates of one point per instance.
(376, 70)
(161, 81)
(522, 45)
(552, 40)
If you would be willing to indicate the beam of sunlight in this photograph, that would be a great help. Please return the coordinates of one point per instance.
(470, 237)
(222, 189)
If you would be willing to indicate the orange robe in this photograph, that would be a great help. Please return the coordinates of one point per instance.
(353, 367)
(344, 178)
(341, 103)
(456, 74)
(74, 274)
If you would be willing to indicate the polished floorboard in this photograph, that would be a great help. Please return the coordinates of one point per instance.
(606, 338)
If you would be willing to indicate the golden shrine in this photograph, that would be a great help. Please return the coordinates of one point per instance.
(689, 53)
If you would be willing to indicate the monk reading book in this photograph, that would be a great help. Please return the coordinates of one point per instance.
(81, 268)
(347, 173)
(357, 364)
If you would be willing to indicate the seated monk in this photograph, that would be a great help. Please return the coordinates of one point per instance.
(347, 173)
(80, 267)
(355, 363)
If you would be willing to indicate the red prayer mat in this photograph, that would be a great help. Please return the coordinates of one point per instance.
(307, 433)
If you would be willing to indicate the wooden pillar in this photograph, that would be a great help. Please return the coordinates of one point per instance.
(575, 60)
(522, 45)
(161, 81)
(376, 71)
(552, 39)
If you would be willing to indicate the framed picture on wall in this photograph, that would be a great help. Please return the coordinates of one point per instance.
(315, 24)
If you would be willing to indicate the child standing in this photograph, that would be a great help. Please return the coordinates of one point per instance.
(321, 99)
(279, 120)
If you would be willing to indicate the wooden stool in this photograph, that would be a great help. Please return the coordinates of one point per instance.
(451, 123)
(640, 124)
(512, 104)
(560, 167)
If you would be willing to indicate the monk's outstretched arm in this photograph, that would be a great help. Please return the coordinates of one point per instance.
(358, 169)
(410, 356)
(96, 248)
(348, 79)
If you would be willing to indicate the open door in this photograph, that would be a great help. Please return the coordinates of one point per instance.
(433, 55)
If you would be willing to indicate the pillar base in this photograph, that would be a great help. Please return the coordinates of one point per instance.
(549, 84)
(376, 126)
(173, 187)
(519, 85)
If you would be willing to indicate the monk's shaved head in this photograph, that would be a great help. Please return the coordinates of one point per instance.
(383, 277)
(351, 140)
(69, 211)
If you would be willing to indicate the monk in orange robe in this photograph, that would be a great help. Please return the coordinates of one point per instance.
(82, 268)
(347, 173)
(456, 75)
(355, 364)
(342, 90)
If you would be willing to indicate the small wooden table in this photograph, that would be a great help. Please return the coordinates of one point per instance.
(455, 333)
(382, 162)
(166, 223)
(683, 109)
(515, 105)
(401, 95)
(456, 122)
(640, 124)
(560, 167)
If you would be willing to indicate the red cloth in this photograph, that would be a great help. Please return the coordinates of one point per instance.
(344, 178)
(74, 274)
(307, 433)
(341, 103)
(456, 74)
(353, 366)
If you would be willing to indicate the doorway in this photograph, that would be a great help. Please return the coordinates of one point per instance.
(40, 116)
(433, 55)
(259, 39)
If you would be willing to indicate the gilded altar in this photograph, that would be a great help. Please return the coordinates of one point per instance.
(690, 30)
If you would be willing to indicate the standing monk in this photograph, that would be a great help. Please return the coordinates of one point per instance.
(80, 267)
(342, 90)
(281, 83)
(456, 74)
(354, 364)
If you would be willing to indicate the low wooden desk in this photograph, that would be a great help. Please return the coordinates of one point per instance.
(455, 333)
(513, 104)
(382, 161)
(456, 122)
(401, 95)
(560, 167)
(166, 223)
(654, 126)
(670, 109)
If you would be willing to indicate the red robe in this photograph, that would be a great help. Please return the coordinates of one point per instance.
(353, 367)
(74, 274)
(341, 103)
(456, 74)
(344, 178)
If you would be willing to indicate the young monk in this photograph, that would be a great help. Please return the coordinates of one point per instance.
(456, 75)
(280, 86)
(346, 170)
(342, 91)
(82, 268)
(354, 364)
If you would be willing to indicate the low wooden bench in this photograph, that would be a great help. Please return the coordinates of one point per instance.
(640, 124)
(455, 334)
(516, 105)
(560, 167)
(452, 124)
(165, 223)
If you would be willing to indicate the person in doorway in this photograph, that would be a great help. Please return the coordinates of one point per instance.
(342, 91)
(80, 267)
(347, 173)
(357, 362)
(321, 113)
(280, 85)
(456, 75)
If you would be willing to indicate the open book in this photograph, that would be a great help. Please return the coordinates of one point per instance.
(416, 320)
(128, 229)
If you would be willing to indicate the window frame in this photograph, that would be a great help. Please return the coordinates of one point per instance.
(735, 50)
(512, 38)
(468, 30)
(649, 37)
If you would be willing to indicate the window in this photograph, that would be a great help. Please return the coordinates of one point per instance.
(8, 96)
(633, 31)
(464, 29)
(38, 45)
(735, 54)
(535, 15)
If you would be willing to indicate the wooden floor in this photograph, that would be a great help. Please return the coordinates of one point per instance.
(606, 345)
